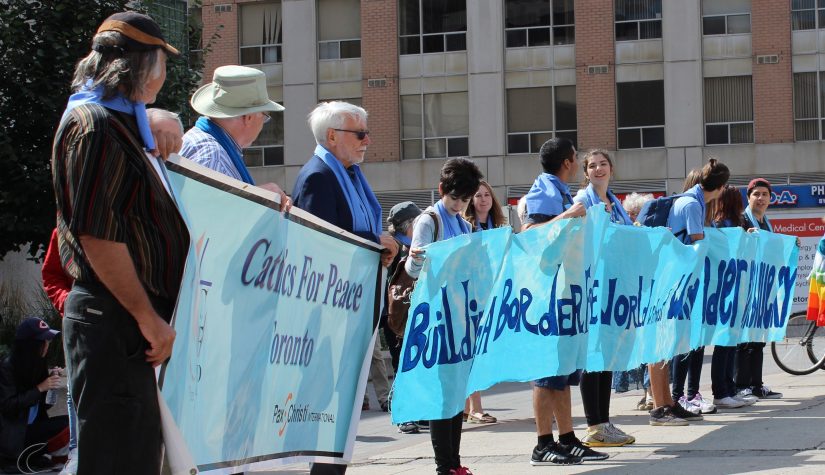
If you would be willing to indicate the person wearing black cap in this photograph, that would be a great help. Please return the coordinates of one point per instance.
(123, 241)
(25, 427)
(749, 356)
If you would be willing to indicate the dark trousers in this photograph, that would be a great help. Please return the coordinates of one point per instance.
(595, 388)
(394, 344)
(687, 366)
(445, 435)
(327, 469)
(749, 365)
(721, 371)
(112, 385)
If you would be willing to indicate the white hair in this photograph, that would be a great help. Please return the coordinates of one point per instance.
(331, 115)
(159, 114)
(633, 202)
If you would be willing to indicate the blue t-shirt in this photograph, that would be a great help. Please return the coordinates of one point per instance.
(688, 213)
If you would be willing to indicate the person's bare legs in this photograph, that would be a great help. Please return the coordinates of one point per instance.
(660, 384)
(473, 404)
(543, 410)
(562, 409)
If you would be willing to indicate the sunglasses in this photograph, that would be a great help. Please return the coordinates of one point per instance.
(267, 117)
(361, 134)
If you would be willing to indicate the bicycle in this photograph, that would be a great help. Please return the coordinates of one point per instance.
(802, 351)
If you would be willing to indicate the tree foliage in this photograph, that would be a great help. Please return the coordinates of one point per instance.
(40, 43)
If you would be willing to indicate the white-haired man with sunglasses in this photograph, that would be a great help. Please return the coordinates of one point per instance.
(331, 186)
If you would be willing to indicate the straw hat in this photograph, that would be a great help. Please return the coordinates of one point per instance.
(234, 91)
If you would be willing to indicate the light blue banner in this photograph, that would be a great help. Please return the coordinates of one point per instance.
(581, 294)
(273, 322)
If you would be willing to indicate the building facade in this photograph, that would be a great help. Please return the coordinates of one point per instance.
(665, 84)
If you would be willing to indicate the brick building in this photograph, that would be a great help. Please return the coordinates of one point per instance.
(664, 83)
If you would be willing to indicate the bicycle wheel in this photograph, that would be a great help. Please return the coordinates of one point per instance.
(797, 352)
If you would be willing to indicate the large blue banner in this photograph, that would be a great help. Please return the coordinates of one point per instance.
(273, 321)
(581, 294)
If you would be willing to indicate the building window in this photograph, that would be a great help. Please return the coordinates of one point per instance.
(539, 23)
(261, 33)
(432, 26)
(268, 149)
(728, 110)
(726, 17)
(808, 105)
(807, 14)
(531, 120)
(640, 108)
(339, 29)
(435, 125)
(638, 19)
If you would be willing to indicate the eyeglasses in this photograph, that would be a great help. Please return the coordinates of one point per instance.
(361, 134)
(267, 117)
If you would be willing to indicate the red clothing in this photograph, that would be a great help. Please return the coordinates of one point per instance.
(55, 280)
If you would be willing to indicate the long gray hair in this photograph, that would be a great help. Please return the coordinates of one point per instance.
(117, 70)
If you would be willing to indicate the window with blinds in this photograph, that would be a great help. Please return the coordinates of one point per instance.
(728, 110)
(808, 104)
(537, 114)
(640, 113)
(260, 25)
(638, 19)
(339, 29)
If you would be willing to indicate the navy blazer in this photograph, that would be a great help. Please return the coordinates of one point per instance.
(317, 191)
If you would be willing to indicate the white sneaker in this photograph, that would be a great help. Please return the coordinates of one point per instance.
(705, 406)
(746, 396)
(729, 403)
(686, 405)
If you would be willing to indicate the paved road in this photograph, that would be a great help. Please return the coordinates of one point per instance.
(772, 436)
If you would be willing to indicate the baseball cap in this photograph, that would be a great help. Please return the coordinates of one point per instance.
(403, 212)
(758, 182)
(140, 32)
(34, 328)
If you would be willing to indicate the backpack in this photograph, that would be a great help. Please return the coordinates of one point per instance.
(399, 291)
(655, 212)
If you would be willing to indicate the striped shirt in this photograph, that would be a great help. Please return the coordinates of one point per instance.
(105, 187)
(205, 150)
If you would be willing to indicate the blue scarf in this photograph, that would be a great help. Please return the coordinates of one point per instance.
(749, 214)
(366, 212)
(617, 213)
(489, 223)
(403, 239)
(453, 225)
(228, 144)
(120, 103)
(548, 195)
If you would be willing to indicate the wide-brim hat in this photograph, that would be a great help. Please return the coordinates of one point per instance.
(234, 91)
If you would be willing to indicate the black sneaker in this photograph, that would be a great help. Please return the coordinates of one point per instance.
(553, 454)
(423, 425)
(682, 413)
(765, 392)
(584, 452)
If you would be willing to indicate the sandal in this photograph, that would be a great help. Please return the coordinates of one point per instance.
(464, 418)
(479, 418)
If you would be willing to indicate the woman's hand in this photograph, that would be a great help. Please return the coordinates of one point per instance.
(52, 382)
(418, 254)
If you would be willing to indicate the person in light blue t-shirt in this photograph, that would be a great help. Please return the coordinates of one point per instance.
(687, 222)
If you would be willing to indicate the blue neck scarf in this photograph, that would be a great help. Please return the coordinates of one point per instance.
(489, 223)
(548, 195)
(453, 225)
(88, 95)
(228, 144)
(403, 239)
(749, 214)
(366, 212)
(617, 213)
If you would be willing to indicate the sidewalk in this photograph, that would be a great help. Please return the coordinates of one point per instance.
(772, 436)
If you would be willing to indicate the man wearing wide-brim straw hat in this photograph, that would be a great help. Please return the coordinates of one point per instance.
(235, 106)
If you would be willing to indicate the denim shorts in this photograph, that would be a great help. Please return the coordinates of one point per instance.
(559, 382)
